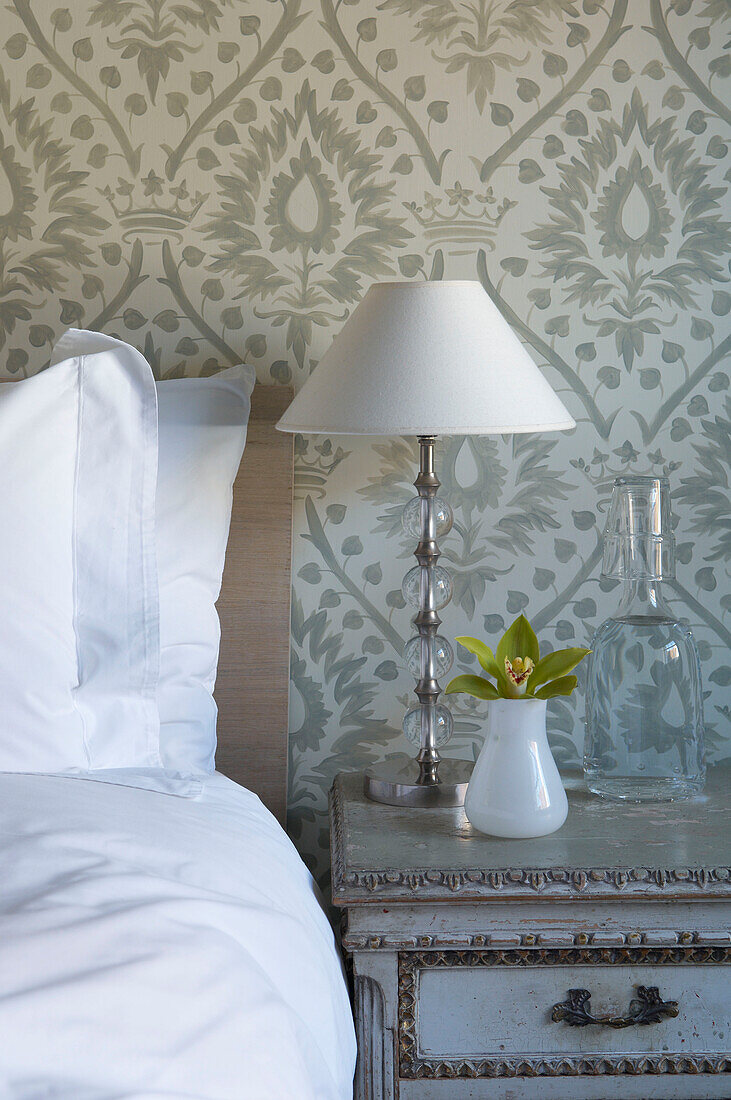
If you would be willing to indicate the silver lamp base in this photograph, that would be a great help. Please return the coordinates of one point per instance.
(395, 782)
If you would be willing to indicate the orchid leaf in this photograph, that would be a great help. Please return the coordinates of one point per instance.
(519, 640)
(555, 665)
(563, 686)
(482, 652)
(472, 685)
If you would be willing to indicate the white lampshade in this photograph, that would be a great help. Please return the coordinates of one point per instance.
(430, 358)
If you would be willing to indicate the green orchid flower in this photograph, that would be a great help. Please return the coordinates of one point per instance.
(517, 667)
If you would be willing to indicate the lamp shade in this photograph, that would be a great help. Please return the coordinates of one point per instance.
(430, 358)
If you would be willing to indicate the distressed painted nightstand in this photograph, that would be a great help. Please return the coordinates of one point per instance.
(594, 963)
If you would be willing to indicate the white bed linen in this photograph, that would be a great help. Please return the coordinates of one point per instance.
(155, 947)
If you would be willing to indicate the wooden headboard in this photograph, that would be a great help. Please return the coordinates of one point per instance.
(252, 688)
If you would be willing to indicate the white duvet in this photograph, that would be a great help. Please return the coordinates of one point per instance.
(159, 947)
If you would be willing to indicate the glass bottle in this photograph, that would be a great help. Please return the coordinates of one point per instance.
(644, 702)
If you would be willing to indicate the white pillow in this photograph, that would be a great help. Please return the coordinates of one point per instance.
(202, 432)
(201, 435)
(78, 596)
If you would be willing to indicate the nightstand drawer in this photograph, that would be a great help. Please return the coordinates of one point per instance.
(523, 1013)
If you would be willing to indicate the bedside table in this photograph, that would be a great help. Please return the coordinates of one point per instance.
(593, 963)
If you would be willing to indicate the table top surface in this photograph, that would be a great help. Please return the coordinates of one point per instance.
(665, 850)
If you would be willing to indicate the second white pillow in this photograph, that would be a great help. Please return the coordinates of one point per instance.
(202, 426)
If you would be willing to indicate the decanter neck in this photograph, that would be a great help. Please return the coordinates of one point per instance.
(642, 597)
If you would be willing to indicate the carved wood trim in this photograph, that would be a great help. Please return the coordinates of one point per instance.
(503, 939)
(370, 1070)
(412, 1067)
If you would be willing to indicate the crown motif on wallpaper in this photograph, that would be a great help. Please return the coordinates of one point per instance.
(459, 216)
(314, 464)
(152, 205)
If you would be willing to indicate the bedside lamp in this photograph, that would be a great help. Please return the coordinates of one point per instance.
(425, 359)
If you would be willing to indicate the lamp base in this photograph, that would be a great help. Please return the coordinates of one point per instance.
(395, 782)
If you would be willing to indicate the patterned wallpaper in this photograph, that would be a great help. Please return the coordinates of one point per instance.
(218, 179)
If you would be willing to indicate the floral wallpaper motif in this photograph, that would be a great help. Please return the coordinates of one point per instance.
(214, 180)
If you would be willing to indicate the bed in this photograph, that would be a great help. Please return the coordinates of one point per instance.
(157, 946)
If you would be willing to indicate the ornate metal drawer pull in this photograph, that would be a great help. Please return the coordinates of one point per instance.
(646, 1008)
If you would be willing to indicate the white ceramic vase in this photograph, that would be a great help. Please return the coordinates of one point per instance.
(515, 789)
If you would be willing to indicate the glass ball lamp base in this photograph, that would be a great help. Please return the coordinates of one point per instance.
(399, 781)
(396, 783)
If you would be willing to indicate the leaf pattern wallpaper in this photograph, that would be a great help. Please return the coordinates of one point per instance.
(214, 180)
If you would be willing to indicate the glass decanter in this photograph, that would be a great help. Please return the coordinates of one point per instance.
(644, 702)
